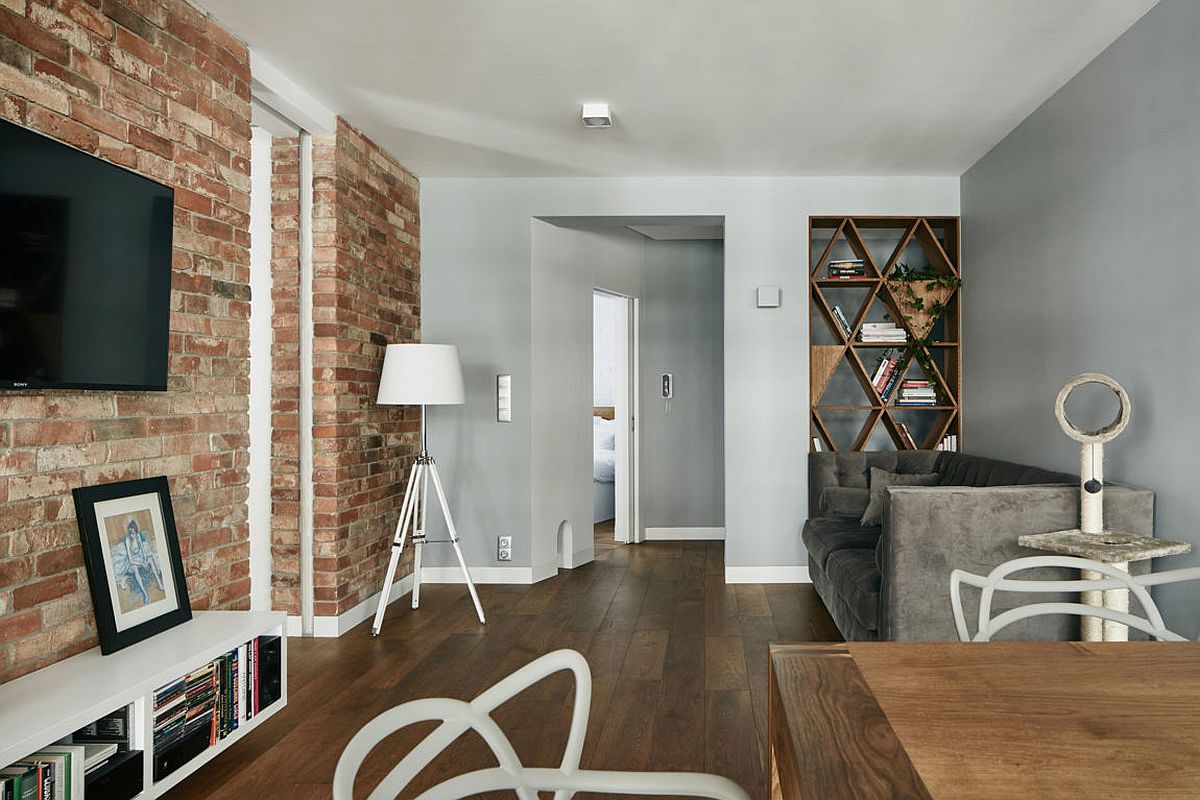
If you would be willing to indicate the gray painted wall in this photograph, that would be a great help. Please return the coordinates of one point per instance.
(1079, 234)
(476, 241)
(683, 452)
(567, 266)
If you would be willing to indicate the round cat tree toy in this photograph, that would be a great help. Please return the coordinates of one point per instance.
(1091, 450)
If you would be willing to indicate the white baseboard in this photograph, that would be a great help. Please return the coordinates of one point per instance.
(767, 575)
(518, 575)
(684, 534)
(580, 557)
(545, 570)
(332, 627)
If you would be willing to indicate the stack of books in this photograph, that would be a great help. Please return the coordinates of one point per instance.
(949, 443)
(847, 268)
(170, 714)
(882, 332)
(841, 319)
(887, 373)
(917, 393)
(61, 771)
(208, 704)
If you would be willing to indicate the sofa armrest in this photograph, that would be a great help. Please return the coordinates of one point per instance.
(929, 531)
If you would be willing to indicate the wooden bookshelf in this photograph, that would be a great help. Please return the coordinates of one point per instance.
(846, 411)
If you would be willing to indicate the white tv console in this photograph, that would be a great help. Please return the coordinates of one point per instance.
(40, 708)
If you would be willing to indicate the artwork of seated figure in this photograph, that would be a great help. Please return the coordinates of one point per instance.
(135, 564)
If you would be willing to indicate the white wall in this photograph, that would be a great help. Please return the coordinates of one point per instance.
(259, 500)
(477, 264)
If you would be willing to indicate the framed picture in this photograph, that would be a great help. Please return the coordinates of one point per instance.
(131, 551)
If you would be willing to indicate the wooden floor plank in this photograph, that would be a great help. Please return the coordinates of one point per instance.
(645, 657)
(724, 663)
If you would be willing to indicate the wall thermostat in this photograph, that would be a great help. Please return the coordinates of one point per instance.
(767, 297)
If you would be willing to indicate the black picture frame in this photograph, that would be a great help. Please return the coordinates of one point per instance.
(125, 543)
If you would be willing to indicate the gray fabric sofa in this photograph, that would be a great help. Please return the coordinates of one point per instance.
(892, 582)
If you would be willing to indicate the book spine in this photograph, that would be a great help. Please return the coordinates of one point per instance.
(891, 384)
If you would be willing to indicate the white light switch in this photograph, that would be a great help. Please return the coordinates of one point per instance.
(767, 297)
(504, 398)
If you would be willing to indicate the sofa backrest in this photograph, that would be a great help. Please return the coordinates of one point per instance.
(853, 469)
(958, 469)
(955, 469)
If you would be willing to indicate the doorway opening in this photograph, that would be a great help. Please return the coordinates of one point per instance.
(612, 403)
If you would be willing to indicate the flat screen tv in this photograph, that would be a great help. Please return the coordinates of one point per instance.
(85, 269)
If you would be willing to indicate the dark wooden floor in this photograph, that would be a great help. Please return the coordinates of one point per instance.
(678, 659)
(604, 536)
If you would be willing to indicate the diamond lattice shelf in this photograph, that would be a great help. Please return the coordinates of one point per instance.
(852, 405)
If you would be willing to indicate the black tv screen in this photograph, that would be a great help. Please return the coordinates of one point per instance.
(85, 269)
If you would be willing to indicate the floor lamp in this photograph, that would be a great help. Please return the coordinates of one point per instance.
(421, 375)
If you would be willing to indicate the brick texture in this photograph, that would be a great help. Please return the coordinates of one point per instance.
(157, 87)
(366, 292)
(285, 375)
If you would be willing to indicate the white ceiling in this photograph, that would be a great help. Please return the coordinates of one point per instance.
(697, 87)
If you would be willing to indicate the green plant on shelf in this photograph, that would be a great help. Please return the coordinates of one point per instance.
(937, 288)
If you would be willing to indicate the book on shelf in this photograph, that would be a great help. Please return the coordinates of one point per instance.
(917, 393)
(23, 780)
(949, 443)
(841, 319)
(112, 727)
(846, 268)
(890, 384)
(97, 754)
(907, 437)
(71, 769)
(882, 332)
(887, 372)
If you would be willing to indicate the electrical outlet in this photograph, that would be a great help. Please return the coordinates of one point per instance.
(504, 548)
(505, 554)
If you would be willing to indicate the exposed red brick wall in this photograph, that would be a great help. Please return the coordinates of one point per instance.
(285, 375)
(366, 294)
(155, 86)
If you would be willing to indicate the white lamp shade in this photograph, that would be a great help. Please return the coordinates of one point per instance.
(420, 375)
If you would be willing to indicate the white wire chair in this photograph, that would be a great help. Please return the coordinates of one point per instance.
(458, 716)
(1150, 623)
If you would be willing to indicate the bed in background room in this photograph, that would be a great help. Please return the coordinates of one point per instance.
(604, 464)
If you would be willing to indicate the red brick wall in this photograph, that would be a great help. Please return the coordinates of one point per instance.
(366, 294)
(285, 375)
(155, 86)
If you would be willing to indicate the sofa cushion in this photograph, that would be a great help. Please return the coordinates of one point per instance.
(823, 535)
(881, 480)
(857, 578)
(844, 501)
(957, 469)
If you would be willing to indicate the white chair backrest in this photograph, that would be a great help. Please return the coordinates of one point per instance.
(457, 717)
(1150, 623)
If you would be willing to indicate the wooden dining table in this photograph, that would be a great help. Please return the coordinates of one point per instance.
(1045, 720)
